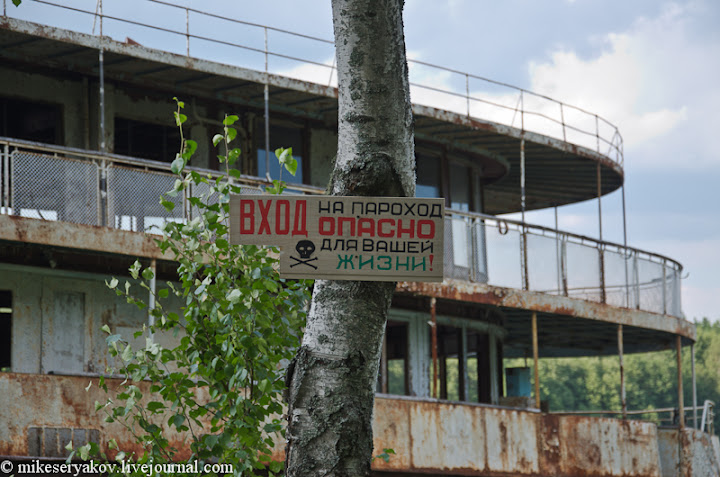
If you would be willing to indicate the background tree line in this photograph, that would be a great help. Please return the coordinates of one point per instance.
(593, 383)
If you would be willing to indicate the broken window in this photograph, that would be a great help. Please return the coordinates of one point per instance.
(5, 330)
(20, 119)
(146, 140)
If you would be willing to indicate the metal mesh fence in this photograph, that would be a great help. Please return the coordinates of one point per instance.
(134, 199)
(503, 257)
(617, 275)
(54, 188)
(583, 271)
(543, 264)
(478, 248)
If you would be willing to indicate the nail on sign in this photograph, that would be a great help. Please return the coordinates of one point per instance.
(345, 238)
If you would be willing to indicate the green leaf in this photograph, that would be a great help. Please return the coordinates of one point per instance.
(113, 283)
(169, 206)
(230, 120)
(179, 118)
(180, 104)
(234, 296)
(127, 353)
(134, 271)
(106, 329)
(17, 2)
(217, 139)
(177, 420)
(231, 134)
(177, 165)
(190, 148)
(291, 166)
(163, 293)
(283, 154)
(87, 388)
(148, 274)
(153, 406)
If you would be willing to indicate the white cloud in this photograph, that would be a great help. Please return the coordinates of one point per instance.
(652, 81)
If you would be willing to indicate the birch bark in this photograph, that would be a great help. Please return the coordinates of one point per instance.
(331, 383)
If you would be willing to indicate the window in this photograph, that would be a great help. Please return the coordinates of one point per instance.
(428, 176)
(464, 370)
(30, 121)
(393, 376)
(281, 137)
(145, 140)
(5, 330)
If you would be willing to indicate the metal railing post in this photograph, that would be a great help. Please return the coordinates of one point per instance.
(664, 287)
(597, 132)
(467, 93)
(6, 179)
(562, 122)
(187, 30)
(266, 96)
(563, 266)
(636, 276)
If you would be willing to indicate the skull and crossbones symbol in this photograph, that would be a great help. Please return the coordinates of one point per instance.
(305, 249)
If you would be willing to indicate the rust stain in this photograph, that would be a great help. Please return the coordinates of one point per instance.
(536, 301)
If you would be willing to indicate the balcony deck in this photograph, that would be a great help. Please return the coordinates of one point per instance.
(580, 287)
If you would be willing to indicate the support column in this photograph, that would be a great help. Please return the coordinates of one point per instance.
(151, 298)
(694, 386)
(266, 98)
(433, 324)
(601, 249)
(536, 358)
(623, 396)
(681, 405)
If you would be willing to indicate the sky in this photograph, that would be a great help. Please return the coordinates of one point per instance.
(650, 67)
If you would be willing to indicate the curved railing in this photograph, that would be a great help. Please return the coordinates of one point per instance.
(74, 185)
(200, 34)
(502, 252)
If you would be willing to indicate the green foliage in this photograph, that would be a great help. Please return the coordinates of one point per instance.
(593, 383)
(17, 2)
(220, 387)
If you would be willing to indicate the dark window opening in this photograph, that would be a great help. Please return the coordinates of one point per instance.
(281, 137)
(429, 179)
(30, 121)
(393, 376)
(5, 330)
(146, 140)
(454, 371)
(450, 366)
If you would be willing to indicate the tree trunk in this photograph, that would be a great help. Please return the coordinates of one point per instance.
(333, 377)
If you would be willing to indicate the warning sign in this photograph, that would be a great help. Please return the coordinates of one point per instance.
(345, 238)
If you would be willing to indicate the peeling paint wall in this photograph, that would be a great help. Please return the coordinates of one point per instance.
(57, 319)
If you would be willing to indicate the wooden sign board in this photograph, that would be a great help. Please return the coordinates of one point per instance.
(345, 238)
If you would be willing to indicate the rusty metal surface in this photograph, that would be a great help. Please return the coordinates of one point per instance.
(691, 453)
(552, 307)
(61, 402)
(450, 438)
(427, 436)
(77, 236)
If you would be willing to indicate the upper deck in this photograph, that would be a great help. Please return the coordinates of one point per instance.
(570, 154)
